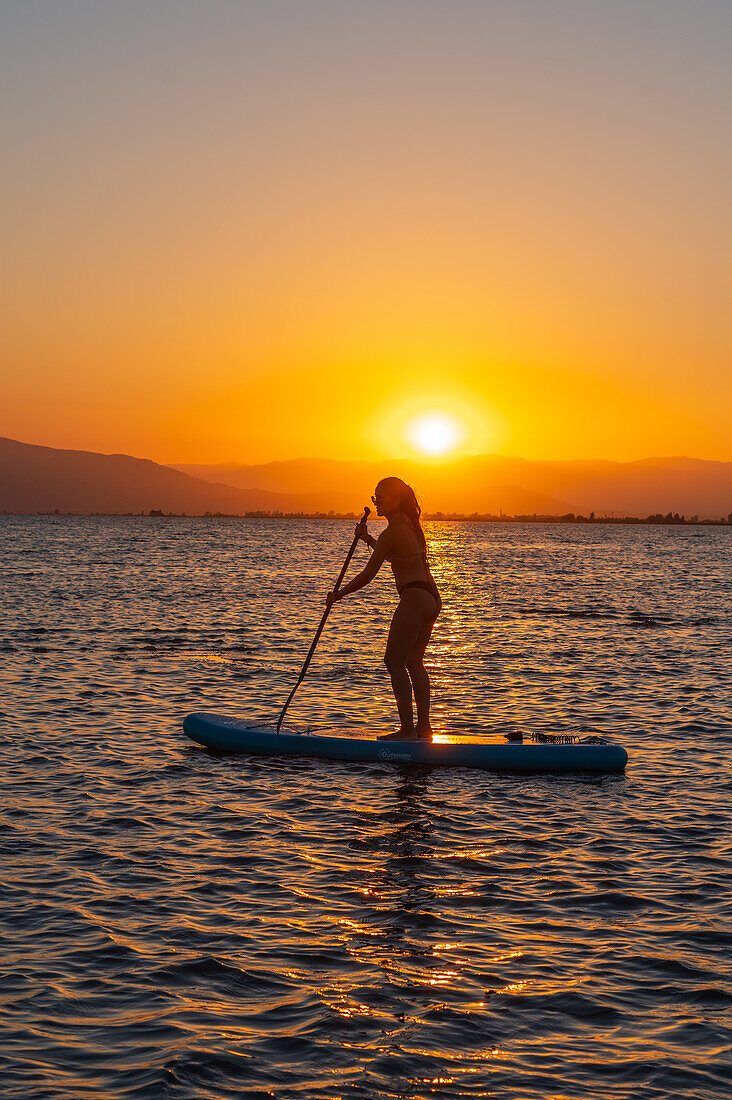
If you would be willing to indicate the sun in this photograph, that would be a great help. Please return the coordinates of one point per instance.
(435, 434)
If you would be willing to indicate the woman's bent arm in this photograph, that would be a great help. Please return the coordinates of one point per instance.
(368, 573)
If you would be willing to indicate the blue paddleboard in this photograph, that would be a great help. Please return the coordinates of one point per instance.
(214, 731)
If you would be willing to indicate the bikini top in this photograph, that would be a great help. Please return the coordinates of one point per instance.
(406, 557)
(418, 554)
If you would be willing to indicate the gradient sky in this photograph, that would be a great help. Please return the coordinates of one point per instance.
(258, 230)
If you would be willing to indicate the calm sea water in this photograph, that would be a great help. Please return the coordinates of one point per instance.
(182, 925)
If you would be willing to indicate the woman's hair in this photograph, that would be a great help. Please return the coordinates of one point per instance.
(408, 504)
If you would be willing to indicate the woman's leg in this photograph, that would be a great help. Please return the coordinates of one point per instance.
(421, 680)
(404, 635)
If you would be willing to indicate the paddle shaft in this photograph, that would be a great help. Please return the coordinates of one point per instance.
(323, 621)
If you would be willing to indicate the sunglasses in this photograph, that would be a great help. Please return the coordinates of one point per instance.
(375, 500)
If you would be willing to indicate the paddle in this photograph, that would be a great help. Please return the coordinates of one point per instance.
(319, 631)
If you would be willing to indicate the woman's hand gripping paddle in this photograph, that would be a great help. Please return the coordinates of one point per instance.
(326, 613)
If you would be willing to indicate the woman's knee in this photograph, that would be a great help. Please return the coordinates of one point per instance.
(394, 661)
(415, 667)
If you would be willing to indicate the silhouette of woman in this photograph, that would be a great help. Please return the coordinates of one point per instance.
(403, 545)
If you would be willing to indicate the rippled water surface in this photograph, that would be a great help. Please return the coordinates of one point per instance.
(178, 924)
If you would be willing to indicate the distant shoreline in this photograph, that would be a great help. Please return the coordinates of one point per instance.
(657, 520)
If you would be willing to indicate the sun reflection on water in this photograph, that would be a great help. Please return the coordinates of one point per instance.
(293, 927)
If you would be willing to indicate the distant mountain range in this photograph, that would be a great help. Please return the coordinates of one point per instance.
(43, 479)
(515, 486)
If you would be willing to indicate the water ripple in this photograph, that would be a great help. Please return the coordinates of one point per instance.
(180, 925)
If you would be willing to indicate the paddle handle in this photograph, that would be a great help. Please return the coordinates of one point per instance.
(323, 621)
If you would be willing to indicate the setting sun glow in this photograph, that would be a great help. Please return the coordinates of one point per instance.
(393, 248)
(435, 435)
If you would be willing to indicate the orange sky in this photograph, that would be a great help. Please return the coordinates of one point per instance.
(254, 232)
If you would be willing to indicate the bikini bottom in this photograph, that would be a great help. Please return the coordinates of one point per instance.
(428, 587)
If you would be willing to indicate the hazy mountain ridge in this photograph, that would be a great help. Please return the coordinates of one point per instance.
(495, 483)
(41, 479)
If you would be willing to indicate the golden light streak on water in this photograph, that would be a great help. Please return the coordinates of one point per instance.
(250, 921)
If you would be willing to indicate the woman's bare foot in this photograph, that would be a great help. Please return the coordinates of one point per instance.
(399, 735)
(424, 733)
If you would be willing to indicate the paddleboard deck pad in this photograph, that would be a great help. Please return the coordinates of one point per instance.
(231, 735)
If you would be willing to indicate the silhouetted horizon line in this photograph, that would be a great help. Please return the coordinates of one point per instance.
(673, 519)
